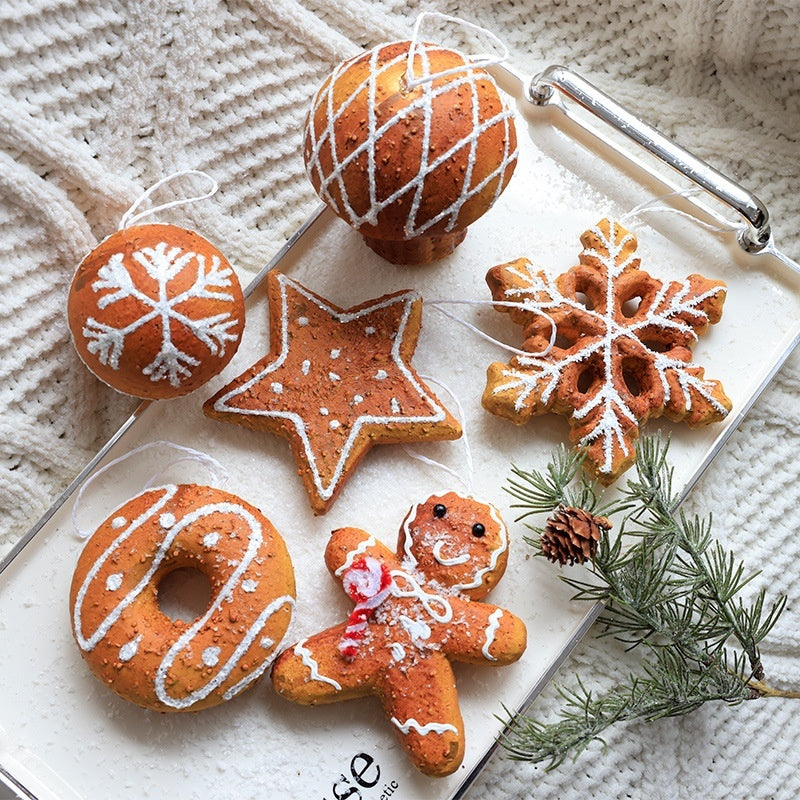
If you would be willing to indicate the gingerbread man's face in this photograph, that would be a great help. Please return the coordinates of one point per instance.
(457, 542)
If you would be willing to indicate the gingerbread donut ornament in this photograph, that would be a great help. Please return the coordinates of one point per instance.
(155, 311)
(170, 665)
(416, 610)
(410, 157)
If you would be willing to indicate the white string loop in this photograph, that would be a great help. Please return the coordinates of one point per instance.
(437, 304)
(131, 217)
(219, 474)
(467, 482)
(656, 204)
(480, 60)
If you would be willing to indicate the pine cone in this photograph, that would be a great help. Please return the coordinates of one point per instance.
(571, 535)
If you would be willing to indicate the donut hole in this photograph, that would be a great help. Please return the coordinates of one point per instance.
(184, 594)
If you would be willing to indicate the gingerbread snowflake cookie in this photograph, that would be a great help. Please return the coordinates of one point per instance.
(416, 610)
(622, 354)
(334, 383)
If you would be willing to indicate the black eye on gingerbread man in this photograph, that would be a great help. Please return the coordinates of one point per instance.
(478, 530)
(439, 510)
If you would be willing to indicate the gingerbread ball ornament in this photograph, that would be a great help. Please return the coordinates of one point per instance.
(155, 311)
(410, 151)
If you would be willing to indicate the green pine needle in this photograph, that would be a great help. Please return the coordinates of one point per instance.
(669, 589)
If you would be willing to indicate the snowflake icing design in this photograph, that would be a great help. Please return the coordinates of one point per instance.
(162, 263)
(614, 364)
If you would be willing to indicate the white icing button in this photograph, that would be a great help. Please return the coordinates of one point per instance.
(118, 522)
(211, 656)
(302, 321)
(249, 585)
(166, 520)
(381, 375)
(305, 367)
(113, 582)
(129, 650)
(210, 539)
(277, 387)
(335, 353)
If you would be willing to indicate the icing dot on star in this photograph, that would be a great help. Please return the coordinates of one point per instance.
(210, 539)
(113, 582)
(118, 522)
(211, 656)
(166, 520)
(266, 642)
(369, 330)
(277, 387)
(324, 411)
(335, 353)
(334, 424)
(305, 367)
(395, 406)
(381, 375)
(334, 377)
(302, 321)
(249, 585)
(357, 399)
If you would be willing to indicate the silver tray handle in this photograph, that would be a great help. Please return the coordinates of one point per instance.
(753, 238)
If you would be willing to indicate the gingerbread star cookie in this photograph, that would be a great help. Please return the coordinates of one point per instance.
(622, 350)
(416, 610)
(335, 383)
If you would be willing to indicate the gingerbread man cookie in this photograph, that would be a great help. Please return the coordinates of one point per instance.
(416, 611)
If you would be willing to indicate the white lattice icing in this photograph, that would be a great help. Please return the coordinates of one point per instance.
(437, 413)
(162, 263)
(429, 727)
(542, 295)
(420, 105)
(253, 540)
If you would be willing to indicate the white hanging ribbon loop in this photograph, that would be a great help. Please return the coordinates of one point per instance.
(466, 482)
(133, 215)
(437, 304)
(480, 60)
(219, 474)
(656, 204)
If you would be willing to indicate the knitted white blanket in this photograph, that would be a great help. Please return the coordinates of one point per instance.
(99, 99)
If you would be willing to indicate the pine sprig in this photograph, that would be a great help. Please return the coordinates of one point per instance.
(668, 588)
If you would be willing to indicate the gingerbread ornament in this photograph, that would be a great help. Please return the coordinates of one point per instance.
(622, 350)
(410, 143)
(416, 610)
(155, 310)
(335, 383)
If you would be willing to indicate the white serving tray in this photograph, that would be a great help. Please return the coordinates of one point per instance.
(67, 736)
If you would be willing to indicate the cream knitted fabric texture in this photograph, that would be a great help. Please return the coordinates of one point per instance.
(100, 99)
